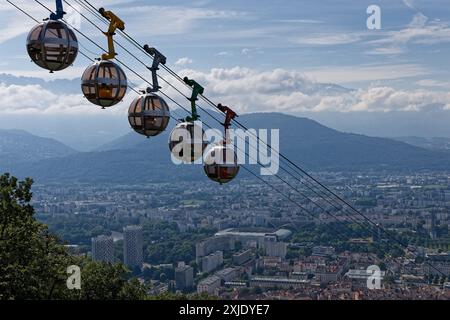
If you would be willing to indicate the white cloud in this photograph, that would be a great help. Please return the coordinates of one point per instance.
(249, 52)
(15, 28)
(12, 26)
(419, 31)
(430, 83)
(16, 98)
(249, 90)
(351, 74)
(391, 50)
(36, 72)
(328, 39)
(33, 99)
(171, 20)
(183, 61)
(224, 54)
(387, 99)
(165, 20)
(418, 21)
(433, 33)
(299, 21)
(383, 99)
(376, 99)
(244, 89)
(410, 4)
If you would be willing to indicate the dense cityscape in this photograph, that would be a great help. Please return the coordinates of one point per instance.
(250, 242)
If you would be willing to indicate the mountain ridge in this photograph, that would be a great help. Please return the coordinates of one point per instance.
(432, 143)
(312, 145)
(17, 146)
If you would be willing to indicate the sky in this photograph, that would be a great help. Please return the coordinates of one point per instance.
(302, 57)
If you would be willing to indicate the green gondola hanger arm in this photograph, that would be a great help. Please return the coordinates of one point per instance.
(196, 90)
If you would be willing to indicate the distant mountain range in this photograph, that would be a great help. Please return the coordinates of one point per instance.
(433, 143)
(133, 158)
(18, 146)
(86, 132)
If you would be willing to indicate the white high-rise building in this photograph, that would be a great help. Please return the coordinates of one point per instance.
(212, 261)
(275, 248)
(103, 249)
(184, 276)
(209, 285)
(133, 246)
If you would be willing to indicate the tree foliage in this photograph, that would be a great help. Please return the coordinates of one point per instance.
(33, 262)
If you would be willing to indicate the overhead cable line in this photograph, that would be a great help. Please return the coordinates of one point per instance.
(330, 193)
(218, 121)
(125, 65)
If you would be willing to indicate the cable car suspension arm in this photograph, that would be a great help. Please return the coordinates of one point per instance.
(114, 23)
(196, 90)
(59, 13)
(158, 58)
(229, 116)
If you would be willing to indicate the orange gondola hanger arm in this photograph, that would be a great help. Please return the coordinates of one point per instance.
(229, 116)
(114, 23)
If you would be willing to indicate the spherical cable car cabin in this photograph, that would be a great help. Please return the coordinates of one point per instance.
(186, 141)
(220, 162)
(52, 45)
(104, 83)
(149, 114)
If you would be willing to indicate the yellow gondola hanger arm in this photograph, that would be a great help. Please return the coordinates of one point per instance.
(114, 23)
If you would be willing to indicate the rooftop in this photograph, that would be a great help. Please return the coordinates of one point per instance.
(280, 233)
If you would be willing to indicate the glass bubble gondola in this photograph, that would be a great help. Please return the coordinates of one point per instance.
(220, 162)
(52, 45)
(104, 83)
(186, 141)
(149, 114)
